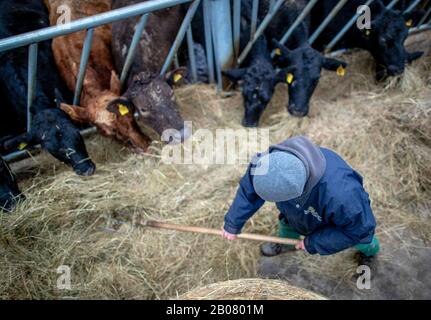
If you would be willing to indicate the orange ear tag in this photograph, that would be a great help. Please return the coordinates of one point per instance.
(367, 32)
(409, 23)
(277, 52)
(123, 110)
(341, 71)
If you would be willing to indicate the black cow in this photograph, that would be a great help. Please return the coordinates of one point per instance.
(300, 64)
(51, 127)
(385, 40)
(9, 192)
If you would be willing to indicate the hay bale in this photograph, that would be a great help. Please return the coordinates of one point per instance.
(250, 289)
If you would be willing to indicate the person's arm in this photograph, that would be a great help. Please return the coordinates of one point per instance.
(244, 206)
(354, 223)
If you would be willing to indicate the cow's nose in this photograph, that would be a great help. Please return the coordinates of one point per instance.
(394, 70)
(297, 112)
(86, 169)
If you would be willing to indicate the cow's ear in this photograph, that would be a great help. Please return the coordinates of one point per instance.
(280, 49)
(412, 18)
(333, 65)
(410, 57)
(115, 84)
(285, 75)
(17, 143)
(121, 107)
(235, 75)
(78, 114)
(176, 77)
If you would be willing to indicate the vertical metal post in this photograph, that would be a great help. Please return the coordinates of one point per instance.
(180, 36)
(133, 46)
(221, 16)
(298, 20)
(344, 30)
(412, 6)
(208, 40)
(254, 13)
(192, 56)
(327, 20)
(260, 30)
(216, 52)
(83, 65)
(236, 26)
(32, 73)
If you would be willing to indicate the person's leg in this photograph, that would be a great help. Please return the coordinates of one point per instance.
(284, 231)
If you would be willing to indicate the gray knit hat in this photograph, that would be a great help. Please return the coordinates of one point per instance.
(285, 179)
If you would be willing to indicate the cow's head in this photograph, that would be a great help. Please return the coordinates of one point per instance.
(55, 132)
(9, 192)
(385, 41)
(151, 97)
(301, 70)
(258, 84)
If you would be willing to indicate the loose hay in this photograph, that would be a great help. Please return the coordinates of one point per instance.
(383, 131)
(250, 289)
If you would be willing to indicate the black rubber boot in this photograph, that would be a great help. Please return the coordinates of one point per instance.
(370, 261)
(270, 249)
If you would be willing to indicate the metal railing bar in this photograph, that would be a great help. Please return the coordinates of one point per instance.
(87, 23)
(427, 13)
(298, 20)
(392, 4)
(254, 14)
(236, 26)
(83, 65)
(180, 36)
(133, 46)
(421, 28)
(32, 73)
(208, 40)
(344, 30)
(260, 30)
(412, 6)
(327, 20)
(192, 56)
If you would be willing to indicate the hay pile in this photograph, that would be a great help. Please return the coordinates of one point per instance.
(383, 131)
(250, 289)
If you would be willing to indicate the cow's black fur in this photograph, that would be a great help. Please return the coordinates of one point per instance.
(9, 192)
(299, 59)
(385, 40)
(51, 127)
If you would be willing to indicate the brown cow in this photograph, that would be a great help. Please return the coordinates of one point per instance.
(155, 99)
(101, 86)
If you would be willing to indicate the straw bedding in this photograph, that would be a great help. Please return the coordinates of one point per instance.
(384, 131)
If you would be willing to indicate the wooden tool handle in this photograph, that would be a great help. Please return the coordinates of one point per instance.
(216, 232)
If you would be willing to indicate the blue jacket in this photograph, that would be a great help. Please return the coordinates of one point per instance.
(334, 215)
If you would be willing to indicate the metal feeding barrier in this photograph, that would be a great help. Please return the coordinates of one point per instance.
(222, 30)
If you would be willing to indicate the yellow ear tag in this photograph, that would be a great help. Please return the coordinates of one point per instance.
(289, 78)
(341, 71)
(277, 52)
(177, 77)
(123, 109)
(367, 32)
(22, 146)
(409, 23)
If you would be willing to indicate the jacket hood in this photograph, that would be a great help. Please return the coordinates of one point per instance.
(309, 153)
